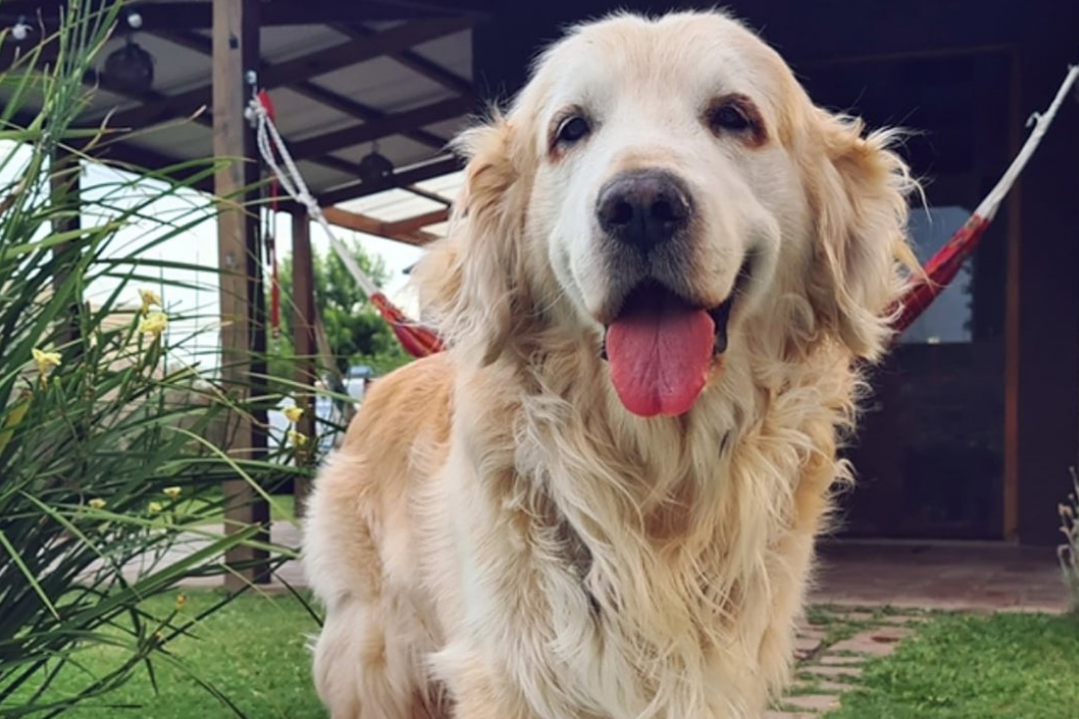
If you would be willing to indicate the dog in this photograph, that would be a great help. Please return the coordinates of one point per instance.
(664, 273)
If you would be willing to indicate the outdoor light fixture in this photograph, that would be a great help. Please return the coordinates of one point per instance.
(130, 68)
(20, 30)
(375, 168)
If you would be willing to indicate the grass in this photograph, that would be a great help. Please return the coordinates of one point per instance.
(253, 650)
(1004, 666)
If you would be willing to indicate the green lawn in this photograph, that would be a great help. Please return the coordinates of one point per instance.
(957, 667)
(253, 650)
(1006, 666)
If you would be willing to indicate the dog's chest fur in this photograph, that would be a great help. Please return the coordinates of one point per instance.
(646, 563)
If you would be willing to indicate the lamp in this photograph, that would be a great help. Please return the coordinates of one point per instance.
(129, 68)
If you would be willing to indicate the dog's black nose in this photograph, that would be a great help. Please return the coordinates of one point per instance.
(643, 208)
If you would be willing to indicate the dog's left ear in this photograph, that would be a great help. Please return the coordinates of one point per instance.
(473, 282)
(859, 202)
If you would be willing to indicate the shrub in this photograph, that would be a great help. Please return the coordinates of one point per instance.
(1069, 551)
(110, 447)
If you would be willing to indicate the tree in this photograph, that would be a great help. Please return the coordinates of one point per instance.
(355, 330)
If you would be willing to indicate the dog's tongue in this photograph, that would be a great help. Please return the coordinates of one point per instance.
(659, 350)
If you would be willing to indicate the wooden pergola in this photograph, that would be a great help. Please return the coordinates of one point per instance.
(347, 80)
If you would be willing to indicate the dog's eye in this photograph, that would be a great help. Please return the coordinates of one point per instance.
(573, 129)
(729, 117)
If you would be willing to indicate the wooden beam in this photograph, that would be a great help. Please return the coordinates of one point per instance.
(301, 68)
(418, 222)
(198, 43)
(433, 196)
(243, 339)
(376, 129)
(415, 62)
(401, 178)
(363, 112)
(198, 15)
(305, 342)
(370, 226)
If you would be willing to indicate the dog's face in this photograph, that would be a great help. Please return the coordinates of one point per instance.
(662, 184)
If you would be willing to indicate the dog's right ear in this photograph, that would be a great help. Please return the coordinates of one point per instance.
(473, 282)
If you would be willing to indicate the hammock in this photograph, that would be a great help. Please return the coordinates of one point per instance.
(417, 340)
(420, 341)
(945, 264)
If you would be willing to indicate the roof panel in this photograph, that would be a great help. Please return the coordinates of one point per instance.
(449, 128)
(400, 150)
(278, 44)
(320, 178)
(299, 117)
(384, 85)
(453, 52)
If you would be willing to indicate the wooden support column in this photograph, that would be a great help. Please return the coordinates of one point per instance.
(64, 195)
(304, 338)
(1048, 345)
(243, 339)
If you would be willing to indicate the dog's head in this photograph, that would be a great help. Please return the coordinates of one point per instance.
(665, 190)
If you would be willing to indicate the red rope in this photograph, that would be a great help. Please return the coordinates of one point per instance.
(940, 270)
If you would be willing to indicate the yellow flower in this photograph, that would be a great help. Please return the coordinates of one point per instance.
(154, 507)
(172, 492)
(154, 324)
(297, 438)
(149, 299)
(293, 414)
(181, 600)
(46, 361)
(97, 503)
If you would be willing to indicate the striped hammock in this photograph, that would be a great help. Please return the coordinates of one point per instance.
(420, 341)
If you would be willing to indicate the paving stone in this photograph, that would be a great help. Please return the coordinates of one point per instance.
(804, 647)
(835, 672)
(837, 687)
(786, 715)
(856, 616)
(836, 660)
(813, 702)
(878, 642)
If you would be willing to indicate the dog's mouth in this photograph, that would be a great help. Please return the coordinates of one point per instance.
(661, 347)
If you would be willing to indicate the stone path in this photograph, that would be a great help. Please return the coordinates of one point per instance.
(832, 650)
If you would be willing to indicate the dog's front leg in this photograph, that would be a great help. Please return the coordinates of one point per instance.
(481, 693)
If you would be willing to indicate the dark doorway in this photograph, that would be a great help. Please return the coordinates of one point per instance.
(930, 453)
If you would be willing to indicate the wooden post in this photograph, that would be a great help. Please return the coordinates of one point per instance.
(235, 54)
(304, 340)
(1012, 308)
(64, 172)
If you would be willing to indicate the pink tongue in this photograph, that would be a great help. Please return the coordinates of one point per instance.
(659, 353)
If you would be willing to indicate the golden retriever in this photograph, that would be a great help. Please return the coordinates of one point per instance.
(600, 502)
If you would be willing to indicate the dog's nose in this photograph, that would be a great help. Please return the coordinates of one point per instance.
(643, 208)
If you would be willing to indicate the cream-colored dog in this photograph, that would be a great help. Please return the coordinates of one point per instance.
(601, 500)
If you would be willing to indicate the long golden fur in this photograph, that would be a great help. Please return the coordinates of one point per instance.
(498, 537)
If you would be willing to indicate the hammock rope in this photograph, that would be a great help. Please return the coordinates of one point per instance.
(942, 268)
(419, 341)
